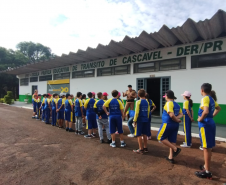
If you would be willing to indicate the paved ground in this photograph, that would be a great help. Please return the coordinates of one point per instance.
(34, 153)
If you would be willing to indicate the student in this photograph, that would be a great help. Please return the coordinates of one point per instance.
(39, 103)
(170, 124)
(91, 123)
(130, 115)
(94, 96)
(209, 108)
(78, 114)
(115, 117)
(84, 110)
(47, 108)
(141, 121)
(68, 113)
(73, 111)
(151, 103)
(34, 106)
(105, 98)
(42, 107)
(54, 116)
(102, 118)
(60, 110)
(187, 118)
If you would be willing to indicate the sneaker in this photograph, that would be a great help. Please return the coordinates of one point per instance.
(149, 138)
(203, 174)
(43, 121)
(81, 133)
(202, 167)
(93, 135)
(184, 145)
(200, 148)
(33, 117)
(67, 129)
(113, 145)
(87, 136)
(116, 132)
(177, 152)
(170, 160)
(102, 141)
(104, 130)
(109, 141)
(60, 127)
(130, 135)
(48, 123)
(123, 144)
(138, 151)
(145, 150)
(71, 130)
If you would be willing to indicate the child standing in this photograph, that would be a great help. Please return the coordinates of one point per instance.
(151, 103)
(91, 123)
(34, 105)
(84, 110)
(170, 124)
(78, 114)
(43, 107)
(68, 113)
(141, 121)
(130, 114)
(207, 128)
(115, 117)
(60, 110)
(54, 116)
(47, 108)
(39, 103)
(102, 118)
(187, 118)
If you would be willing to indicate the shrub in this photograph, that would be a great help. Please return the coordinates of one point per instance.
(8, 97)
(2, 100)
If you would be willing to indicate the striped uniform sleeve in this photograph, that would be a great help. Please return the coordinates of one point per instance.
(120, 105)
(95, 105)
(106, 104)
(169, 106)
(86, 103)
(80, 103)
(205, 102)
(137, 111)
(216, 104)
(186, 105)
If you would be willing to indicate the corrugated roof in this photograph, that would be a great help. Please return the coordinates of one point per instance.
(189, 32)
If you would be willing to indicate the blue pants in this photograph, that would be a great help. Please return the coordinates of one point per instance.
(53, 117)
(91, 124)
(142, 128)
(43, 114)
(115, 122)
(47, 113)
(187, 129)
(130, 125)
(168, 131)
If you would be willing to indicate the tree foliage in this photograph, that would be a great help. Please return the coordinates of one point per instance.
(35, 52)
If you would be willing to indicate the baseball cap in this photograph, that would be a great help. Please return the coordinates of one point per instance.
(119, 93)
(105, 94)
(186, 93)
(170, 95)
(49, 94)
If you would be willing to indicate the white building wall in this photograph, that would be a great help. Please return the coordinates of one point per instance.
(42, 88)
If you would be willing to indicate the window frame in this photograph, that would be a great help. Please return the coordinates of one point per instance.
(33, 78)
(22, 83)
(113, 70)
(61, 74)
(40, 80)
(83, 75)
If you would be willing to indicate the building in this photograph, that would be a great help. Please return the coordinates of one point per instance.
(181, 58)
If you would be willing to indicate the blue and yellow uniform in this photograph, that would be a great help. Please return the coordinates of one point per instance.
(91, 122)
(207, 128)
(47, 110)
(169, 128)
(83, 109)
(54, 116)
(141, 117)
(68, 111)
(99, 106)
(187, 122)
(60, 114)
(151, 103)
(43, 109)
(115, 117)
(78, 105)
(38, 101)
(34, 105)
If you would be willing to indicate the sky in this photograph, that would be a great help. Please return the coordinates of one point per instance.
(68, 25)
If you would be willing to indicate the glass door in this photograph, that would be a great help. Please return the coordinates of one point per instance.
(165, 85)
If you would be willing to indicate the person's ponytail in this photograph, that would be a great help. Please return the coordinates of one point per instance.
(190, 101)
(213, 95)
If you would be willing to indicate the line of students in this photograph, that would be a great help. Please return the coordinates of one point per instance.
(108, 114)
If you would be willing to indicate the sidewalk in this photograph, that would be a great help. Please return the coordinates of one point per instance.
(156, 122)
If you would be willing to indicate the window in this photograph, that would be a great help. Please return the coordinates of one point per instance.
(164, 65)
(61, 76)
(119, 70)
(45, 78)
(34, 79)
(24, 81)
(209, 60)
(83, 74)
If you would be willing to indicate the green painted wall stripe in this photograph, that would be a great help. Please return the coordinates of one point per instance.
(22, 97)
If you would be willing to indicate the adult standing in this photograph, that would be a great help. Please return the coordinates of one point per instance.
(131, 95)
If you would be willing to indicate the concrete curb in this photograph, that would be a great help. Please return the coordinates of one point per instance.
(152, 128)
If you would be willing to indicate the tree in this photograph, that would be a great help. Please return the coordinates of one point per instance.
(35, 51)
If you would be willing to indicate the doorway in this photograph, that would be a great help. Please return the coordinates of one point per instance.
(33, 88)
(153, 89)
(156, 88)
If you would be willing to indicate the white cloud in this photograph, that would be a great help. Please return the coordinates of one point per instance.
(70, 25)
